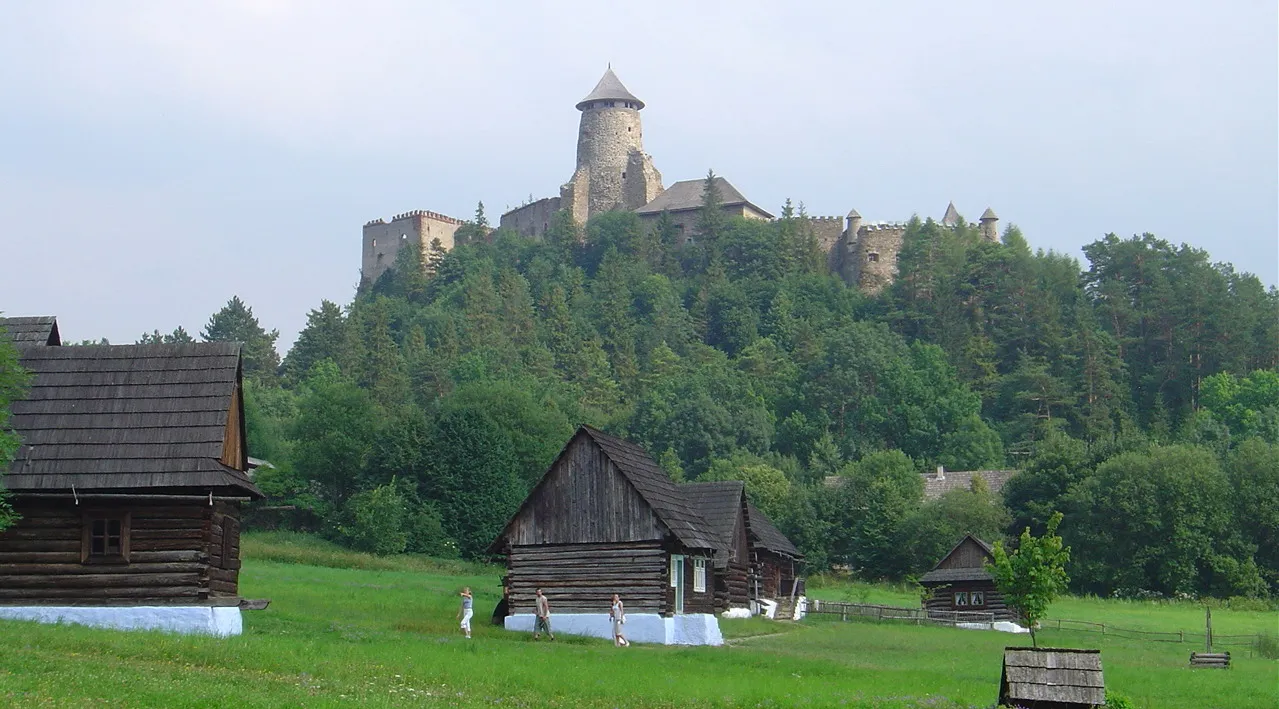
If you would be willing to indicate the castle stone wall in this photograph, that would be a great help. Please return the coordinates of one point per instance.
(612, 170)
(829, 234)
(872, 258)
(382, 239)
(532, 219)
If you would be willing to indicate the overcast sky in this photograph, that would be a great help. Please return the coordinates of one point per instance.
(157, 158)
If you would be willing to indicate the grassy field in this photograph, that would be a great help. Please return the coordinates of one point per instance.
(351, 630)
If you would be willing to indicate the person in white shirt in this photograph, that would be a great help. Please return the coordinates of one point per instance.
(617, 614)
(543, 619)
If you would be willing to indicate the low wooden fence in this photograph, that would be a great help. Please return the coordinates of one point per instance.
(919, 616)
(915, 615)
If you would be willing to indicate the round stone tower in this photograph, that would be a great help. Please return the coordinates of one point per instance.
(612, 170)
(989, 225)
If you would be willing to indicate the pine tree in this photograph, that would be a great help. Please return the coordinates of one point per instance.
(235, 323)
(710, 220)
(325, 336)
(434, 257)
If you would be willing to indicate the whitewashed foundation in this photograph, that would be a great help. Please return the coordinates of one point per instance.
(687, 629)
(222, 621)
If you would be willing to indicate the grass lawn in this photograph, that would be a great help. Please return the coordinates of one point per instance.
(383, 634)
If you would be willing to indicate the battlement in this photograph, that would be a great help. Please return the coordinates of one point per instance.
(827, 219)
(374, 222)
(429, 215)
(883, 226)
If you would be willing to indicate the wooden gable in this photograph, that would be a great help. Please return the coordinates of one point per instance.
(234, 453)
(584, 499)
(968, 554)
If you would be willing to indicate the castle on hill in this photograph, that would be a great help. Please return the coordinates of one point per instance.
(614, 173)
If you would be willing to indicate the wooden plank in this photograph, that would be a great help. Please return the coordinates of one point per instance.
(89, 593)
(76, 568)
(40, 545)
(104, 580)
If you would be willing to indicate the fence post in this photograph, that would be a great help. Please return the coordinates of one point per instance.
(1103, 628)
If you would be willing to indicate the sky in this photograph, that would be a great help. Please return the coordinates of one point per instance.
(157, 158)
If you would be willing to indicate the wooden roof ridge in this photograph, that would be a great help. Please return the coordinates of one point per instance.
(767, 534)
(32, 330)
(661, 493)
(103, 417)
(937, 574)
(984, 547)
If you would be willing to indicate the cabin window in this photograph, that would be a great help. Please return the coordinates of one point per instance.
(105, 538)
(676, 562)
(699, 576)
(976, 598)
(961, 599)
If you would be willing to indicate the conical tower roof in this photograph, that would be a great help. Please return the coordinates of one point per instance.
(988, 214)
(951, 217)
(609, 89)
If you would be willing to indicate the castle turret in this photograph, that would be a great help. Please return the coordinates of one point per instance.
(854, 224)
(612, 170)
(989, 225)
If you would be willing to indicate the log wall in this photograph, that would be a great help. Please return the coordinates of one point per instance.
(581, 578)
(171, 554)
(942, 598)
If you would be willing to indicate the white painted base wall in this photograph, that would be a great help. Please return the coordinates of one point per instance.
(688, 629)
(207, 620)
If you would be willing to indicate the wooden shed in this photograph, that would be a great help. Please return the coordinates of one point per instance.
(606, 519)
(129, 479)
(1051, 678)
(775, 561)
(723, 506)
(960, 582)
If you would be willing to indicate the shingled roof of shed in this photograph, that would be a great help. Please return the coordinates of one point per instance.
(34, 330)
(939, 575)
(767, 535)
(127, 416)
(1069, 677)
(718, 503)
(666, 499)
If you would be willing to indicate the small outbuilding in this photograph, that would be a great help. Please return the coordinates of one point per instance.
(723, 506)
(606, 519)
(960, 582)
(1051, 678)
(128, 485)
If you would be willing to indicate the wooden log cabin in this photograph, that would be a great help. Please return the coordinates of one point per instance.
(775, 562)
(129, 483)
(606, 519)
(960, 582)
(723, 506)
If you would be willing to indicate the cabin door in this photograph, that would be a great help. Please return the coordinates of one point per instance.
(677, 580)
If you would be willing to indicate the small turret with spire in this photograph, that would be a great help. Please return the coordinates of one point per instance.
(990, 225)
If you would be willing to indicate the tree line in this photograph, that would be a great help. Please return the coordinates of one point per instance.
(1138, 395)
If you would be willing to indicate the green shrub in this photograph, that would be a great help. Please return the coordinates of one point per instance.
(1267, 645)
(378, 521)
(1118, 701)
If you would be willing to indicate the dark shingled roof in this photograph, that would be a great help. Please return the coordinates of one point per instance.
(768, 536)
(609, 89)
(935, 487)
(718, 502)
(1069, 677)
(988, 214)
(687, 194)
(127, 416)
(973, 573)
(658, 490)
(37, 330)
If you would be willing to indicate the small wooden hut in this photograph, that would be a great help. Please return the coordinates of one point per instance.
(1051, 678)
(606, 519)
(129, 483)
(723, 506)
(775, 561)
(960, 582)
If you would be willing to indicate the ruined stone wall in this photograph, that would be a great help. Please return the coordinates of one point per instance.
(382, 240)
(873, 256)
(612, 170)
(829, 234)
(533, 219)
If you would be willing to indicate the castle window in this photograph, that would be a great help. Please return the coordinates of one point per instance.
(403, 237)
(628, 129)
(623, 174)
(872, 257)
(374, 243)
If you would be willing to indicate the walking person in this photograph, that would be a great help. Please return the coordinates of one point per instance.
(617, 614)
(543, 620)
(466, 611)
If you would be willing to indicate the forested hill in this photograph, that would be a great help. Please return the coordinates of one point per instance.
(1138, 394)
